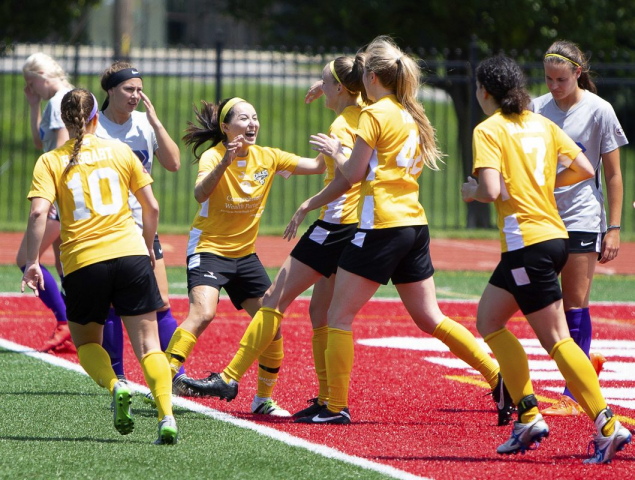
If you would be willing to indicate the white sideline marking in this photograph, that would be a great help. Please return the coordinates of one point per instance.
(620, 366)
(283, 437)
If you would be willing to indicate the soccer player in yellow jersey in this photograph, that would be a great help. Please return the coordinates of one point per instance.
(516, 156)
(105, 258)
(314, 259)
(234, 180)
(394, 142)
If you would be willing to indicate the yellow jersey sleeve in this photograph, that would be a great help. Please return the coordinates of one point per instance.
(343, 210)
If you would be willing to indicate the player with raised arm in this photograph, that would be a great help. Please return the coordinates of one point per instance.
(233, 183)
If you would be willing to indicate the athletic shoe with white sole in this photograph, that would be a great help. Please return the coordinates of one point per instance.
(504, 403)
(313, 409)
(122, 398)
(212, 386)
(343, 417)
(605, 448)
(525, 436)
(168, 433)
(266, 406)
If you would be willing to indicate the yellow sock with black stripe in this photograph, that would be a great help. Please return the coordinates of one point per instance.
(259, 334)
(96, 362)
(581, 379)
(462, 343)
(269, 363)
(156, 371)
(180, 347)
(339, 364)
(514, 367)
(319, 342)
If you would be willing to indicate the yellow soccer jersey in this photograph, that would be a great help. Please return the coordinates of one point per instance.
(92, 198)
(227, 222)
(344, 209)
(390, 192)
(524, 149)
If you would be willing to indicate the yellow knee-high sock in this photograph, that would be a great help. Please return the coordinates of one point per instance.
(581, 379)
(319, 342)
(514, 367)
(156, 371)
(180, 347)
(259, 334)
(339, 364)
(269, 363)
(463, 344)
(95, 360)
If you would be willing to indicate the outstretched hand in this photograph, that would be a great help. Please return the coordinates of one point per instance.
(292, 228)
(468, 189)
(33, 278)
(329, 146)
(315, 92)
(232, 148)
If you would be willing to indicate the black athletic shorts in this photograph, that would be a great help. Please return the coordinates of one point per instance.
(242, 278)
(400, 254)
(156, 246)
(530, 274)
(128, 283)
(322, 245)
(586, 242)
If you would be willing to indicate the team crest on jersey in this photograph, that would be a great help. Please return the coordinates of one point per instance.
(618, 131)
(261, 176)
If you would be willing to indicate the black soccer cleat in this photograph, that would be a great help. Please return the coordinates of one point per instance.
(504, 403)
(311, 410)
(343, 417)
(212, 386)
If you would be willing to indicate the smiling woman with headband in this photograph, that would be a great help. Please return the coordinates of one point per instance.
(232, 186)
(146, 136)
(105, 259)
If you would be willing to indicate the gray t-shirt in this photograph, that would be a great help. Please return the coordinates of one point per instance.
(51, 120)
(593, 125)
(139, 135)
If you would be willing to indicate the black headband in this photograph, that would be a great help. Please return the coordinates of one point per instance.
(121, 76)
(117, 78)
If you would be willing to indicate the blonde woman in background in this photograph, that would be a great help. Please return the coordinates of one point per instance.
(46, 81)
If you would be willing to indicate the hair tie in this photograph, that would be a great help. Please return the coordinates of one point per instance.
(228, 106)
(398, 59)
(562, 57)
(93, 112)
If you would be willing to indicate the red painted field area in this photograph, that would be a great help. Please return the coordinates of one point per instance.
(413, 405)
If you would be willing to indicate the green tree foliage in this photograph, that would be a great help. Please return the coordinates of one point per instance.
(42, 20)
(499, 24)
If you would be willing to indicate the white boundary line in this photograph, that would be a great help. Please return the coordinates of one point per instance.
(283, 437)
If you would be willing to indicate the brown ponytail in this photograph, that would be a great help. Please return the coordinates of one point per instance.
(77, 106)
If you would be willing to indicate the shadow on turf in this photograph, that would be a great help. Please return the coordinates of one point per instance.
(62, 439)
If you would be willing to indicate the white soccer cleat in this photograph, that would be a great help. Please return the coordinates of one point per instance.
(266, 406)
(525, 436)
(605, 448)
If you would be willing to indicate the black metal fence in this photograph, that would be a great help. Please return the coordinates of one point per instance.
(275, 81)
